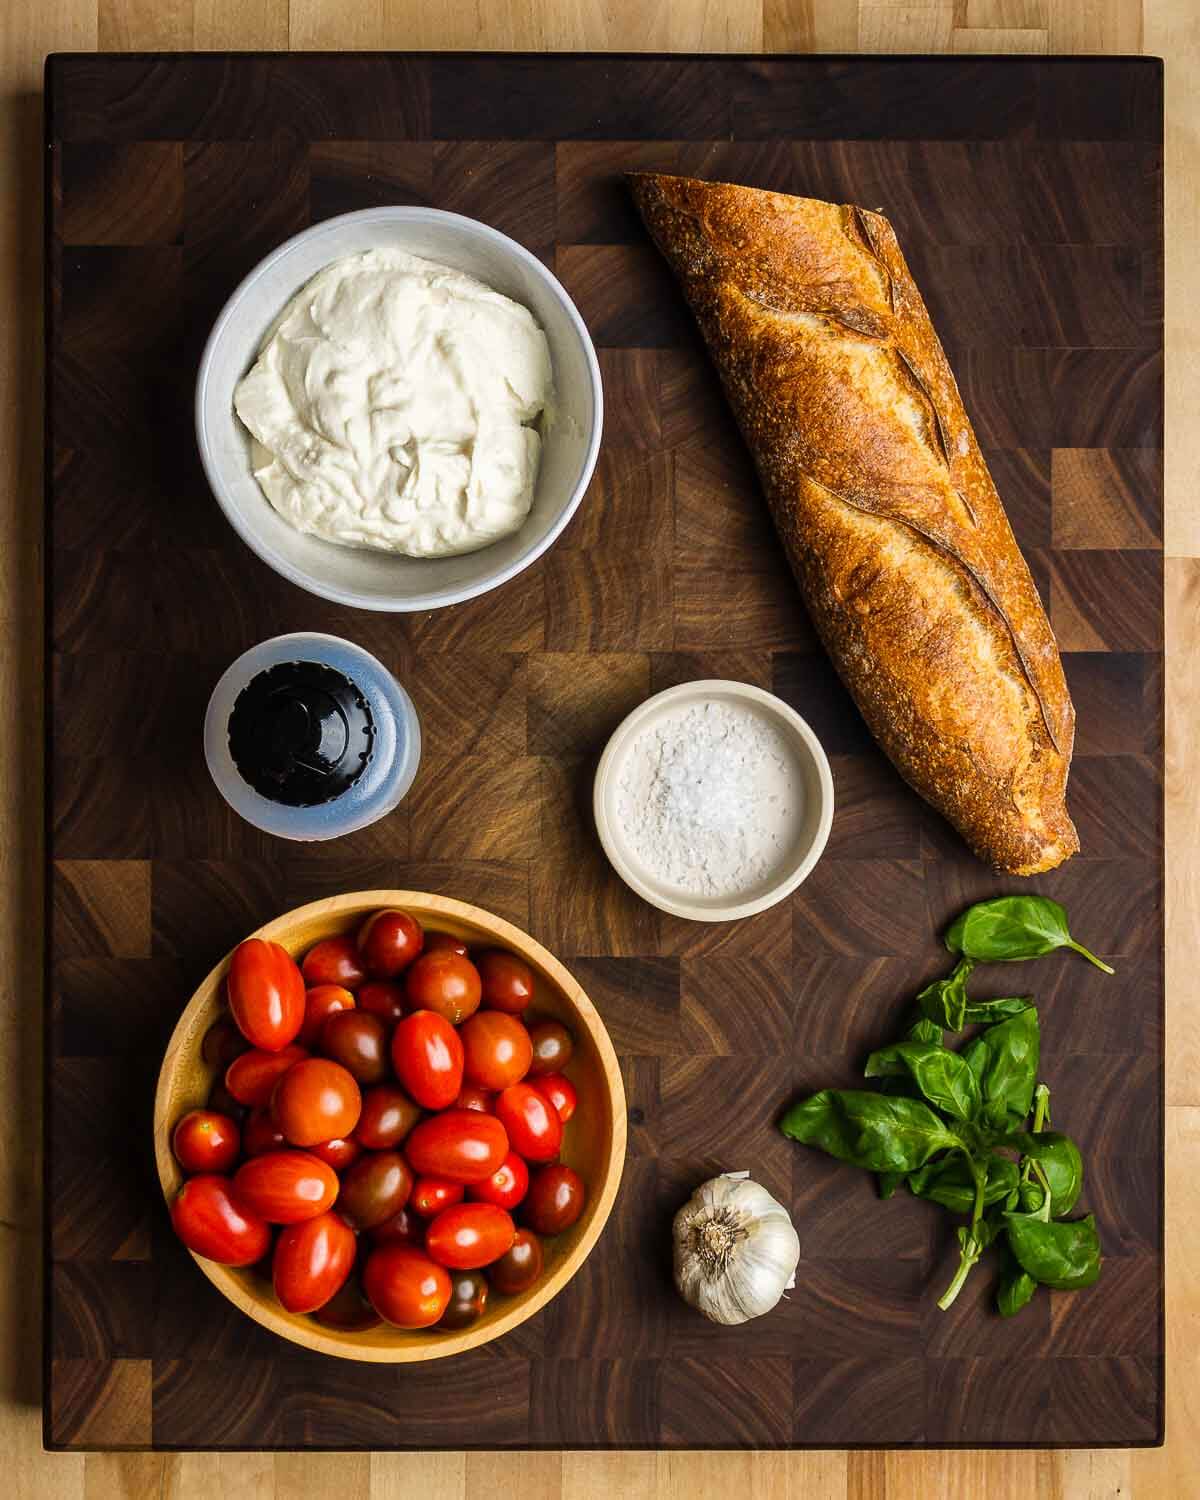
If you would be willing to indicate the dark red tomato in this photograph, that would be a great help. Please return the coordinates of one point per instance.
(519, 1267)
(444, 982)
(205, 1141)
(403, 1228)
(459, 1145)
(432, 1194)
(388, 1114)
(359, 1042)
(285, 1187)
(312, 1262)
(427, 1054)
(209, 1220)
(376, 1187)
(507, 1185)
(552, 1047)
(560, 1091)
(388, 941)
(315, 1101)
(534, 1129)
(321, 1002)
(339, 1153)
(251, 1078)
(496, 1050)
(507, 980)
(222, 1102)
(266, 994)
(382, 998)
(555, 1201)
(334, 960)
(260, 1133)
(438, 942)
(222, 1043)
(468, 1300)
(348, 1310)
(405, 1287)
(469, 1235)
(471, 1096)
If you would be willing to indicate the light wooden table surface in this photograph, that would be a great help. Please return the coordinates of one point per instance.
(31, 28)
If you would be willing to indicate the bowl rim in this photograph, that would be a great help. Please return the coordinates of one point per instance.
(336, 1342)
(397, 213)
(619, 742)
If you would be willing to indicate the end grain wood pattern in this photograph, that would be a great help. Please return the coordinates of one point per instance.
(1027, 196)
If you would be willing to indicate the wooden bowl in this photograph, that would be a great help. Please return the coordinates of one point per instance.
(593, 1142)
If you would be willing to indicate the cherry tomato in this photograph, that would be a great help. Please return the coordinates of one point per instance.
(266, 994)
(348, 1310)
(359, 1042)
(204, 1141)
(312, 1262)
(376, 1187)
(469, 1235)
(222, 1043)
(560, 1091)
(339, 1153)
(427, 1054)
(222, 1102)
(388, 941)
(209, 1220)
(507, 1185)
(384, 999)
(459, 1145)
(471, 1096)
(432, 1194)
(260, 1133)
(496, 1050)
(251, 1078)
(519, 1267)
(405, 1287)
(321, 1002)
(402, 1228)
(552, 1047)
(507, 980)
(437, 942)
(533, 1126)
(315, 1101)
(334, 960)
(285, 1187)
(444, 982)
(555, 1201)
(468, 1300)
(388, 1114)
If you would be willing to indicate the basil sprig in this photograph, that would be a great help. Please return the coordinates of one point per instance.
(1012, 928)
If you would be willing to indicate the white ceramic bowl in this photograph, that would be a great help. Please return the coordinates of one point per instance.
(365, 578)
(804, 847)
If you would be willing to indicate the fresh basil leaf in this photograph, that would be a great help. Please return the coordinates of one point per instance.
(988, 1012)
(941, 1075)
(949, 1181)
(1060, 1253)
(1031, 1196)
(888, 1182)
(945, 1000)
(1010, 928)
(1004, 1059)
(1059, 1158)
(924, 1030)
(868, 1129)
(1014, 1291)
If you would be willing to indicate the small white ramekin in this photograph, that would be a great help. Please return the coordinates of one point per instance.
(811, 763)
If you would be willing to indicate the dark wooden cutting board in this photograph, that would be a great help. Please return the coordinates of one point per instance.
(1026, 195)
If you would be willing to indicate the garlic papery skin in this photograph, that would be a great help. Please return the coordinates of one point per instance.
(735, 1249)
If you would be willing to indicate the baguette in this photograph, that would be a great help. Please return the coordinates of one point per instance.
(884, 504)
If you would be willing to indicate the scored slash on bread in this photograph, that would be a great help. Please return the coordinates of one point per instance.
(882, 499)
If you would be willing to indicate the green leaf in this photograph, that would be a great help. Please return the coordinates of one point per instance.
(1004, 1059)
(1015, 1289)
(944, 1002)
(942, 1076)
(1060, 1253)
(1010, 928)
(924, 1031)
(988, 1012)
(888, 1182)
(949, 1181)
(1059, 1158)
(867, 1129)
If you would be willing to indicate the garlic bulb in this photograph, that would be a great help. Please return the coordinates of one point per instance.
(735, 1249)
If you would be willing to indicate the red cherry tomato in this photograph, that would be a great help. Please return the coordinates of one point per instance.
(403, 1228)
(496, 1050)
(358, 1041)
(348, 1310)
(315, 1101)
(222, 1043)
(388, 1114)
(471, 1096)
(321, 1002)
(339, 1153)
(432, 1194)
(552, 1047)
(507, 1185)
(251, 1078)
(312, 1262)
(388, 941)
(266, 994)
(376, 1187)
(519, 1267)
(285, 1187)
(427, 1055)
(204, 1141)
(444, 982)
(437, 942)
(405, 1287)
(260, 1133)
(469, 1235)
(382, 998)
(208, 1220)
(533, 1126)
(555, 1201)
(459, 1145)
(560, 1091)
(507, 980)
(334, 960)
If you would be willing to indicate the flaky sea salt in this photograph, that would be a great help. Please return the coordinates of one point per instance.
(709, 799)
